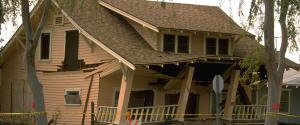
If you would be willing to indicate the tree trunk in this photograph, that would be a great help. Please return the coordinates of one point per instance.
(29, 58)
(275, 67)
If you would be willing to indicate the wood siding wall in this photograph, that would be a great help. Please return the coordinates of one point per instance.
(54, 82)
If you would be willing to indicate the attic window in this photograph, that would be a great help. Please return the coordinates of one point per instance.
(72, 96)
(176, 43)
(59, 20)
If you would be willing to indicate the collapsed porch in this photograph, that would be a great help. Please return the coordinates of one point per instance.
(171, 84)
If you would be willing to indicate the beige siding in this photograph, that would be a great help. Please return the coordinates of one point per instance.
(88, 51)
(54, 88)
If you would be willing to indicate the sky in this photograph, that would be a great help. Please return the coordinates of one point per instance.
(230, 7)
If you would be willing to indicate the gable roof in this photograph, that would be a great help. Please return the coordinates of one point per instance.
(114, 32)
(179, 16)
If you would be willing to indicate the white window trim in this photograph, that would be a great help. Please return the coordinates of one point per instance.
(50, 47)
(176, 41)
(72, 89)
(217, 45)
(289, 99)
(62, 20)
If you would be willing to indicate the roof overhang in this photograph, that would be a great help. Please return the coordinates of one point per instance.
(129, 16)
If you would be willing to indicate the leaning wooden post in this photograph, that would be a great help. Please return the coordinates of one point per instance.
(92, 113)
(231, 96)
(124, 95)
(184, 93)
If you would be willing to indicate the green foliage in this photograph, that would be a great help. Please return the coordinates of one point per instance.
(250, 64)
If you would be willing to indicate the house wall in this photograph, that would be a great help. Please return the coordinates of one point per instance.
(87, 51)
(111, 83)
(294, 103)
(55, 85)
(197, 39)
(54, 82)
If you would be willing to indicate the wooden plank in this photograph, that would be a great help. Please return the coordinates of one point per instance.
(184, 93)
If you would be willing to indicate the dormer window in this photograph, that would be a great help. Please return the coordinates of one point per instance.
(217, 46)
(176, 43)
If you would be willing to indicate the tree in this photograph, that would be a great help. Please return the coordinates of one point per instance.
(9, 9)
(289, 12)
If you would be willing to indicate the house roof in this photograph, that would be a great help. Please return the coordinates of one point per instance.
(179, 16)
(113, 31)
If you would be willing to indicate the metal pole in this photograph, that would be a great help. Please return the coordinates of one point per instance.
(217, 102)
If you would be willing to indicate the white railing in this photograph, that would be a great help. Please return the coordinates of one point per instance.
(150, 114)
(249, 112)
(153, 113)
(106, 114)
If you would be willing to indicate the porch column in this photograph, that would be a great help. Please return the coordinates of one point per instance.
(124, 95)
(231, 96)
(184, 93)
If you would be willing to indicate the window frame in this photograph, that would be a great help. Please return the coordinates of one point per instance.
(176, 41)
(72, 89)
(217, 45)
(50, 46)
(289, 99)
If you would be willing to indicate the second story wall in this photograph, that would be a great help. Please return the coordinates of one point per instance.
(88, 52)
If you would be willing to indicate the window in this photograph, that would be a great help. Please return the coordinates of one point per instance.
(176, 43)
(223, 46)
(72, 96)
(217, 46)
(169, 43)
(285, 101)
(45, 46)
(211, 46)
(183, 44)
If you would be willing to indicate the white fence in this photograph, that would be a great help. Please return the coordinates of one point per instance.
(150, 114)
(249, 112)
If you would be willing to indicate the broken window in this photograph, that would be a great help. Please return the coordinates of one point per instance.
(45, 46)
(71, 61)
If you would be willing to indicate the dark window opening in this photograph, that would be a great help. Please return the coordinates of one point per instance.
(211, 46)
(169, 43)
(183, 44)
(45, 46)
(71, 61)
(138, 98)
(72, 97)
(285, 101)
(223, 46)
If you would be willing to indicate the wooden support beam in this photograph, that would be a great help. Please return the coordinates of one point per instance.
(172, 81)
(21, 43)
(124, 95)
(231, 96)
(184, 93)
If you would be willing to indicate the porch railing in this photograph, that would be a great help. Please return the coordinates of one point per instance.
(150, 114)
(249, 112)
(106, 114)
